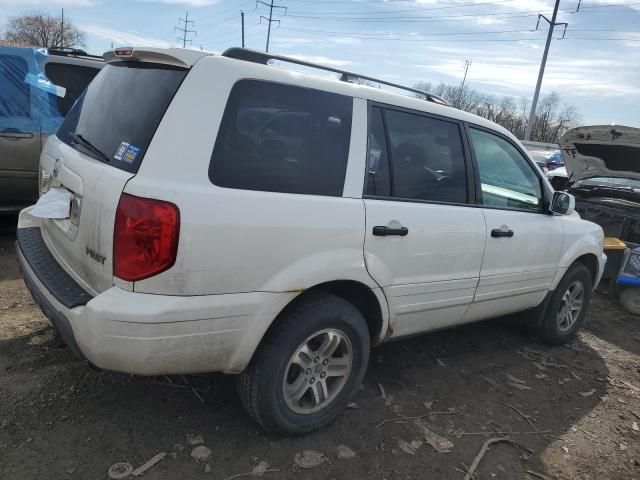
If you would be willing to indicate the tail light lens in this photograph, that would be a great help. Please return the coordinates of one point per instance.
(145, 239)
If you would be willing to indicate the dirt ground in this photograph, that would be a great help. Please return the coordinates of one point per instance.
(574, 410)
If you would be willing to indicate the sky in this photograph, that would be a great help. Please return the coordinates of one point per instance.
(596, 67)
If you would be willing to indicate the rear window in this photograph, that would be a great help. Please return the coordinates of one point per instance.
(15, 94)
(281, 138)
(117, 116)
(74, 78)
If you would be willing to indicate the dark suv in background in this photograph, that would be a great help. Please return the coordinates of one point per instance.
(37, 89)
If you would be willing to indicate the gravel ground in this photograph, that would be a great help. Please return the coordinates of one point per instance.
(574, 411)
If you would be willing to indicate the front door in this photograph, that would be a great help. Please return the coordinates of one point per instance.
(523, 241)
(423, 243)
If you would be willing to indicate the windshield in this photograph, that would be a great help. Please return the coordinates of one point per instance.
(117, 116)
(609, 182)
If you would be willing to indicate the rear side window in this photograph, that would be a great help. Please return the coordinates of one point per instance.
(117, 116)
(15, 95)
(74, 78)
(426, 157)
(281, 138)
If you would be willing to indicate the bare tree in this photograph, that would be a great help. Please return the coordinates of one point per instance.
(552, 120)
(40, 30)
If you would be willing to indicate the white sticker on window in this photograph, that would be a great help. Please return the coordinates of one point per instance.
(121, 151)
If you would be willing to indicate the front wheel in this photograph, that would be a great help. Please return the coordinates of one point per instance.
(307, 368)
(567, 309)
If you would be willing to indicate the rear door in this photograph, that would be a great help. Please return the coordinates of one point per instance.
(424, 242)
(19, 135)
(97, 149)
(523, 241)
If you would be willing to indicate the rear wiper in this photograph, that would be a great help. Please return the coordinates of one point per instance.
(77, 138)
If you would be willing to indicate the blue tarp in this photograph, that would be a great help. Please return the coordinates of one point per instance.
(28, 100)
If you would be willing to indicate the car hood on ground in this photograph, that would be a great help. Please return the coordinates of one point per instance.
(601, 151)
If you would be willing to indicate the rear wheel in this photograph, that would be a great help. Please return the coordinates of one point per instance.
(568, 306)
(307, 368)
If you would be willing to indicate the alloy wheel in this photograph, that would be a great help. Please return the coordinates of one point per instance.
(570, 306)
(317, 371)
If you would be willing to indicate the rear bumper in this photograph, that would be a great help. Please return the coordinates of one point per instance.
(58, 319)
(148, 334)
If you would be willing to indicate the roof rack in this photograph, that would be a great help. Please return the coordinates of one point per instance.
(255, 56)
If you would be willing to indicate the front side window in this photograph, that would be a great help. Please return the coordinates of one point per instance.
(426, 159)
(282, 138)
(507, 179)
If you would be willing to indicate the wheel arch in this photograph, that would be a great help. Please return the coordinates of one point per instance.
(590, 261)
(371, 303)
(587, 258)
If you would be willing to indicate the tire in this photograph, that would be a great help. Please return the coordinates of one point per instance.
(556, 328)
(630, 300)
(268, 387)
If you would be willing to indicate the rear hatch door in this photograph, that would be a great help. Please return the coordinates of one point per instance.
(98, 148)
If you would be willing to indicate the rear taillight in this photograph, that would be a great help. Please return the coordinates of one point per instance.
(145, 240)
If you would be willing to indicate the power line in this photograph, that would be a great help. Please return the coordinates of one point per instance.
(219, 22)
(436, 18)
(422, 19)
(227, 11)
(385, 37)
(270, 20)
(226, 34)
(386, 12)
(390, 34)
(185, 30)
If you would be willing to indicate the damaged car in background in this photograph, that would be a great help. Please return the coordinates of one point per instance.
(38, 86)
(603, 167)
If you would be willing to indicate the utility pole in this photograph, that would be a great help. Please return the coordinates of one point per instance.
(270, 19)
(185, 30)
(62, 29)
(467, 64)
(552, 23)
(242, 22)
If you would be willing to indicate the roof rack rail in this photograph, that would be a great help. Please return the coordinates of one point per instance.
(256, 56)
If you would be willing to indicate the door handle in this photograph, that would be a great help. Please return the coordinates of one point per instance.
(382, 231)
(500, 233)
(15, 134)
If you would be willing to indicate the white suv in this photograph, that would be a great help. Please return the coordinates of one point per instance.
(227, 214)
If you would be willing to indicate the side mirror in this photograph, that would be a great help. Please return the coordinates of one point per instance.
(562, 203)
